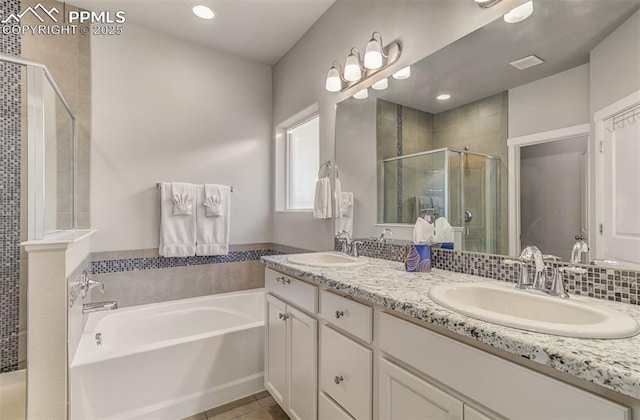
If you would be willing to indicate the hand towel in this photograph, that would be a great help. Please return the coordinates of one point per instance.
(177, 233)
(182, 196)
(337, 197)
(213, 200)
(444, 231)
(213, 232)
(423, 232)
(345, 220)
(322, 201)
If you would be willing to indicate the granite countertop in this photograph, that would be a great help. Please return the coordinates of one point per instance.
(613, 364)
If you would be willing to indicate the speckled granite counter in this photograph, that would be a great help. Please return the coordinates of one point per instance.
(614, 364)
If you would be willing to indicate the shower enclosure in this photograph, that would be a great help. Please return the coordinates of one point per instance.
(38, 170)
(459, 185)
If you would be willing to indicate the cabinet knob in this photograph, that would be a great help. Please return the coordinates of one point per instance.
(338, 379)
(283, 317)
(339, 314)
(283, 280)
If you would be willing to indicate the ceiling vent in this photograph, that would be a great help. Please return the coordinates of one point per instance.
(525, 63)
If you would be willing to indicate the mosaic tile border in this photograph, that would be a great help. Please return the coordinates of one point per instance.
(10, 135)
(150, 263)
(601, 283)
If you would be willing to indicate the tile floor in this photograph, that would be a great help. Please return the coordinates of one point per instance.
(260, 406)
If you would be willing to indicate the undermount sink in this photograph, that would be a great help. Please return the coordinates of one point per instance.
(327, 259)
(507, 306)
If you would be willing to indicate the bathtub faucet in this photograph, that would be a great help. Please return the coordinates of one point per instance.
(87, 308)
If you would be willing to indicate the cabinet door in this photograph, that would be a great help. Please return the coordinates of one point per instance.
(303, 365)
(404, 396)
(275, 367)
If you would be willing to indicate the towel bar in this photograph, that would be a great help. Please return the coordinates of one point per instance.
(159, 185)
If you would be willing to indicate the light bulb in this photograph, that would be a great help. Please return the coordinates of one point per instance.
(373, 55)
(352, 71)
(402, 74)
(520, 13)
(203, 12)
(381, 84)
(334, 82)
(443, 97)
(362, 94)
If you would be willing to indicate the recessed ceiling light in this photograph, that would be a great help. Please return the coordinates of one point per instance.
(443, 97)
(520, 13)
(203, 12)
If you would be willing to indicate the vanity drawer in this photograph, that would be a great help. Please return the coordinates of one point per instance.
(299, 293)
(346, 372)
(329, 410)
(498, 384)
(353, 317)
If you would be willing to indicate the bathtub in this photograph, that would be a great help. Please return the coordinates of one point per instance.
(171, 359)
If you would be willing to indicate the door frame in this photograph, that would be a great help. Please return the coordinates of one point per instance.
(600, 119)
(514, 144)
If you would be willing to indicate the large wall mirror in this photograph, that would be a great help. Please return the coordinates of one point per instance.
(436, 144)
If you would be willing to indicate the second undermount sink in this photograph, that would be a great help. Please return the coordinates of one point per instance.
(327, 259)
(507, 306)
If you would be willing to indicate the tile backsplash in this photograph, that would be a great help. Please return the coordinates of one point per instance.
(141, 277)
(598, 282)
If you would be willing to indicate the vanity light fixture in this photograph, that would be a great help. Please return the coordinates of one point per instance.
(487, 3)
(520, 13)
(356, 70)
(443, 97)
(381, 84)
(403, 73)
(203, 12)
(361, 94)
(352, 67)
(334, 79)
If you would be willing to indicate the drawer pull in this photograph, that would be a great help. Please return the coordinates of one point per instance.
(339, 314)
(284, 316)
(283, 280)
(338, 379)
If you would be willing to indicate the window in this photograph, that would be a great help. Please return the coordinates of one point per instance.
(302, 160)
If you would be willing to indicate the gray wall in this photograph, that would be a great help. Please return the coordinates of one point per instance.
(557, 101)
(615, 65)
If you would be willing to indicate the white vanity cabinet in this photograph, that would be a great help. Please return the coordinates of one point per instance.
(291, 354)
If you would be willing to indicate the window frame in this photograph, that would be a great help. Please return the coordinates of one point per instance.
(287, 159)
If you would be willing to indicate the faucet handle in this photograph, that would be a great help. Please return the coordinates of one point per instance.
(548, 257)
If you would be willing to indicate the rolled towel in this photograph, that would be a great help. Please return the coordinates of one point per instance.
(214, 200)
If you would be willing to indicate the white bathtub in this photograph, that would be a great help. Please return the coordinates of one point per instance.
(171, 359)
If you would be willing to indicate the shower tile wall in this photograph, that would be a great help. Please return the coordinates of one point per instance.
(68, 59)
(482, 126)
(10, 135)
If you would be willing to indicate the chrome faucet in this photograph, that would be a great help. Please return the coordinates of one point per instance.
(347, 244)
(88, 308)
(580, 251)
(532, 253)
(386, 236)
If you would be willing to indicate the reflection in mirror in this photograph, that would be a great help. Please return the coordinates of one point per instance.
(405, 152)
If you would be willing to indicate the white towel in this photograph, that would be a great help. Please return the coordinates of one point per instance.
(444, 231)
(345, 219)
(213, 200)
(322, 201)
(213, 232)
(337, 197)
(177, 233)
(423, 232)
(182, 196)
